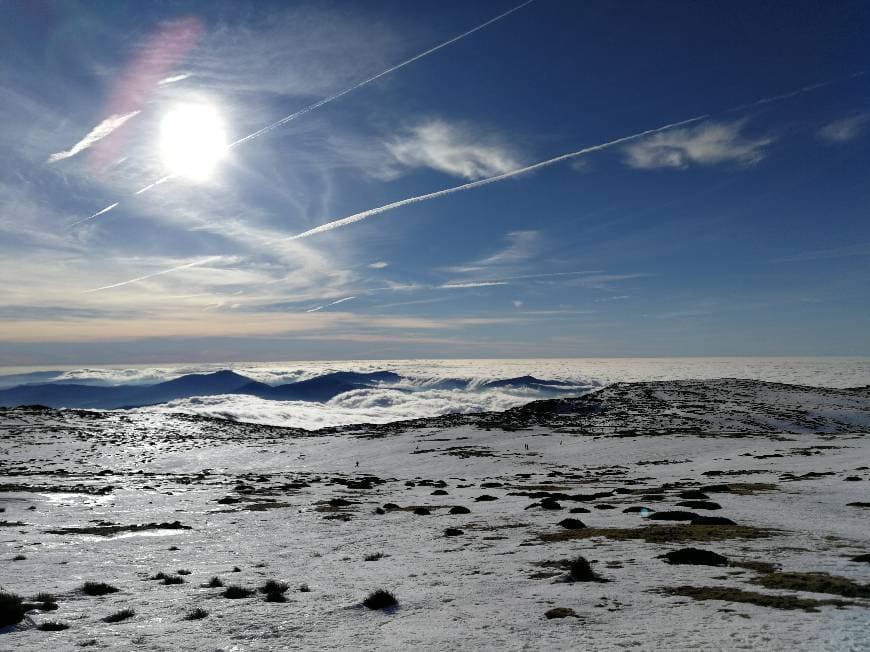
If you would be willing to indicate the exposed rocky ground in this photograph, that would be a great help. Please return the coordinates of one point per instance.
(724, 514)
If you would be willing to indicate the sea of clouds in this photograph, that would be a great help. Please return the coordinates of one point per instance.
(435, 387)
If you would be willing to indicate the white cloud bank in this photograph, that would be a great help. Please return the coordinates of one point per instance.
(96, 134)
(438, 145)
(705, 144)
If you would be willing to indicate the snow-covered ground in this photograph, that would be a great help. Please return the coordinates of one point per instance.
(784, 463)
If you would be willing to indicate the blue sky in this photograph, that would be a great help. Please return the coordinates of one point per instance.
(741, 232)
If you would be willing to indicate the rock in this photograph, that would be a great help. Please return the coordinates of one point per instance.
(862, 558)
(439, 492)
(453, 532)
(635, 509)
(712, 520)
(422, 511)
(572, 524)
(578, 510)
(699, 504)
(549, 503)
(459, 509)
(673, 516)
(693, 494)
(694, 556)
(485, 498)
(605, 506)
(390, 506)
(560, 612)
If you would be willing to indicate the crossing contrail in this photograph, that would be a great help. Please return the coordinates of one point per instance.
(332, 98)
(195, 263)
(357, 217)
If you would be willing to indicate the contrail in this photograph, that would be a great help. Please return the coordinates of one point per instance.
(97, 214)
(95, 135)
(357, 217)
(326, 305)
(161, 273)
(331, 98)
(365, 82)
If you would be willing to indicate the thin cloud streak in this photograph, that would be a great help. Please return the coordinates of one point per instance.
(95, 135)
(195, 263)
(334, 303)
(357, 217)
(173, 79)
(97, 214)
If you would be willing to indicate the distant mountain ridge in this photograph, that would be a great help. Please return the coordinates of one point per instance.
(66, 394)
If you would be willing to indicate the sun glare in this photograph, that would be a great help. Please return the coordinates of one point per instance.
(192, 141)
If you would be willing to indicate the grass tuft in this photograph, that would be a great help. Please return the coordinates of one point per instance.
(11, 609)
(729, 594)
(380, 599)
(98, 588)
(581, 571)
(196, 614)
(52, 626)
(118, 616)
(814, 583)
(235, 592)
(663, 533)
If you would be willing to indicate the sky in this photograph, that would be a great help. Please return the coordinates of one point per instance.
(226, 181)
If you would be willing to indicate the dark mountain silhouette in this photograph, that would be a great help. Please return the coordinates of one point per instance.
(321, 388)
(529, 381)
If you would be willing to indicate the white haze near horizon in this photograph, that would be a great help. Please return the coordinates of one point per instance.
(418, 396)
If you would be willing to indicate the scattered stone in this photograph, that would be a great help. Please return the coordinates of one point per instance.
(699, 504)
(694, 556)
(673, 516)
(560, 612)
(572, 524)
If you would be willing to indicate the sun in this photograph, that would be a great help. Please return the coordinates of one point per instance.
(192, 141)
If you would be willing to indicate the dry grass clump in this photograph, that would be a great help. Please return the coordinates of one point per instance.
(380, 599)
(118, 616)
(98, 588)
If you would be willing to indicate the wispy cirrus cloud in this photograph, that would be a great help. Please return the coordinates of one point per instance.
(845, 129)
(522, 246)
(451, 149)
(709, 143)
(95, 135)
